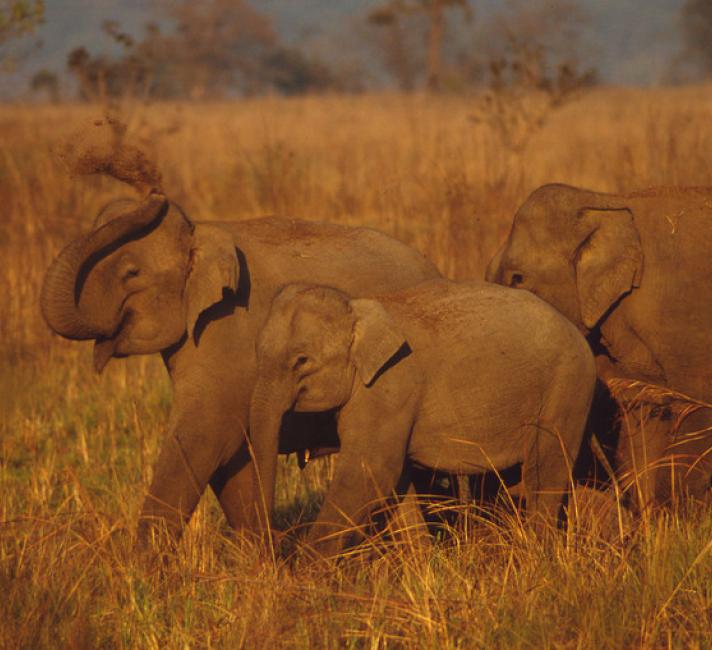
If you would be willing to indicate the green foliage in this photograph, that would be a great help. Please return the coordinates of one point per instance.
(18, 17)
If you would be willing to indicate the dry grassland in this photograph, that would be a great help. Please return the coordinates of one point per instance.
(76, 449)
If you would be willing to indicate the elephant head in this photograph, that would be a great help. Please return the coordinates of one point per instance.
(315, 347)
(578, 250)
(139, 280)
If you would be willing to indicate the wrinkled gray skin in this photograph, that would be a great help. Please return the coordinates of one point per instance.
(442, 375)
(147, 279)
(633, 273)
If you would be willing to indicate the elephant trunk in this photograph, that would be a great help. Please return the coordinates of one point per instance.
(270, 400)
(63, 281)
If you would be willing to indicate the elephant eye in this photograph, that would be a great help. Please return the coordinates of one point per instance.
(131, 272)
(514, 279)
(300, 361)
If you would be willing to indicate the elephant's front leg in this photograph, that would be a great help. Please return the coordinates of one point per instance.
(180, 475)
(203, 444)
(407, 527)
(645, 435)
(687, 465)
(368, 469)
(233, 484)
(360, 485)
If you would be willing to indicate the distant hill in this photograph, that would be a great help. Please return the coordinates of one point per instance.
(635, 40)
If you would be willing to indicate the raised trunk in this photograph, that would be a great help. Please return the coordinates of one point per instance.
(63, 281)
(269, 403)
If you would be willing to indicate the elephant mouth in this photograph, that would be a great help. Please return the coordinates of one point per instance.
(310, 453)
(105, 347)
(309, 435)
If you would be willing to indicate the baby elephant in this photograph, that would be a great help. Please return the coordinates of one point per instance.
(462, 378)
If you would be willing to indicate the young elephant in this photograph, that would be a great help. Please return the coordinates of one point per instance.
(456, 377)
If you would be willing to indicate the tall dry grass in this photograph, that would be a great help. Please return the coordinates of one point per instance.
(76, 449)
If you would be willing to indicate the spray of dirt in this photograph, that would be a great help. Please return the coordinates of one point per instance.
(101, 147)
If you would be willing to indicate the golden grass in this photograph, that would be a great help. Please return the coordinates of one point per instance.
(76, 449)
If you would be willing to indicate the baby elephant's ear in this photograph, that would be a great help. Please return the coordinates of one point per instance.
(376, 338)
(213, 268)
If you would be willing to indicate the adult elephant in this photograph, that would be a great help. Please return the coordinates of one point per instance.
(150, 279)
(632, 271)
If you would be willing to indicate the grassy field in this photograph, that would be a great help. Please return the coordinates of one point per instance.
(76, 449)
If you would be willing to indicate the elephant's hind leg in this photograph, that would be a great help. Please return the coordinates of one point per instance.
(546, 475)
(554, 443)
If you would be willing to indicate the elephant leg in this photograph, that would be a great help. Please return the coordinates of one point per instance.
(687, 467)
(547, 468)
(374, 427)
(644, 438)
(222, 418)
(233, 484)
(463, 491)
(360, 485)
(204, 436)
(407, 526)
(179, 479)
(545, 479)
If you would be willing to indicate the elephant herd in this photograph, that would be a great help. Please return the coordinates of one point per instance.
(263, 323)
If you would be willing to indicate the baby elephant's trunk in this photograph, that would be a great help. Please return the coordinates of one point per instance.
(269, 402)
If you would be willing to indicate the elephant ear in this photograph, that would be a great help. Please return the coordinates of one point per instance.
(377, 338)
(213, 267)
(493, 271)
(608, 263)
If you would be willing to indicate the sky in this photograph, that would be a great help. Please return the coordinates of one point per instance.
(634, 41)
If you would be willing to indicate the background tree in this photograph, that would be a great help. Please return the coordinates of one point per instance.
(219, 48)
(45, 81)
(18, 18)
(100, 78)
(290, 72)
(398, 58)
(436, 30)
(534, 68)
(219, 45)
(697, 30)
(395, 44)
